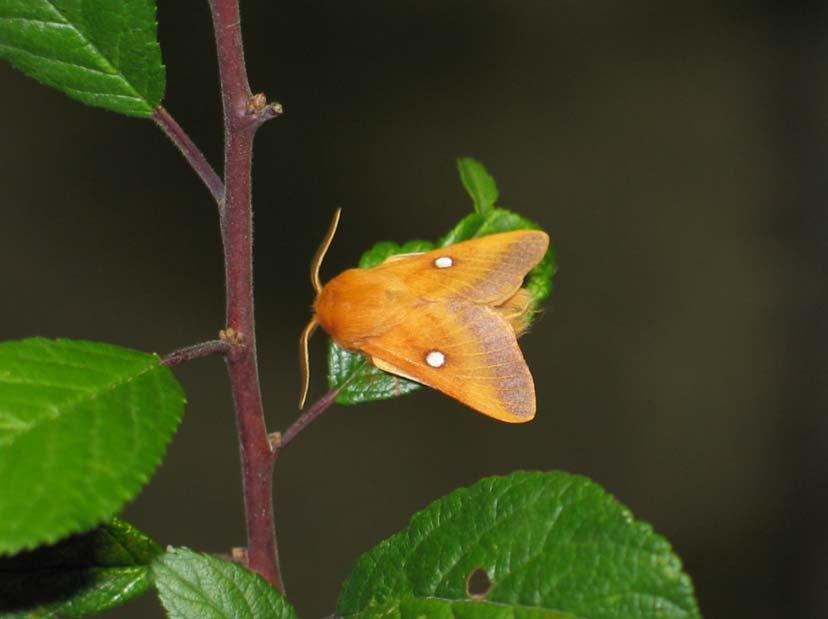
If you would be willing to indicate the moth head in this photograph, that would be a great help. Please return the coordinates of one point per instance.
(356, 304)
(343, 299)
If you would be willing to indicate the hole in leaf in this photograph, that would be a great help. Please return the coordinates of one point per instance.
(478, 584)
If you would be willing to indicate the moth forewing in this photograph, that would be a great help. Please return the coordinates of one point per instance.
(487, 270)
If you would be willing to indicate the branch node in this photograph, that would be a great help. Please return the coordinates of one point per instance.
(232, 337)
(239, 555)
(275, 441)
(257, 103)
(260, 111)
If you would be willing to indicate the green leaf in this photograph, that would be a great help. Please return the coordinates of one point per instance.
(422, 608)
(525, 546)
(101, 52)
(197, 586)
(383, 250)
(361, 381)
(358, 380)
(82, 427)
(479, 184)
(79, 576)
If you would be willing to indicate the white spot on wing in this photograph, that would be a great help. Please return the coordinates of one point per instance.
(436, 359)
(443, 262)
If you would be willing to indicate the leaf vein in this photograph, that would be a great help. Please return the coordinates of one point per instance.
(74, 65)
(95, 48)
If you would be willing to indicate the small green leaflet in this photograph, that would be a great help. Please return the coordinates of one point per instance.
(358, 379)
(102, 52)
(365, 383)
(383, 250)
(79, 576)
(196, 586)
(479, 184)
(83, 425)
(530, 545)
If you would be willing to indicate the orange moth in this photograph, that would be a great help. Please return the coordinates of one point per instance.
(447, 318)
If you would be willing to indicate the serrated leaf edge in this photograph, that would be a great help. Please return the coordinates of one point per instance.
(190, 557)
(675, 564)
(114, 72)
(120, 493)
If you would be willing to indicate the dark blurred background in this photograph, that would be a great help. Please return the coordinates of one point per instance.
(676, 153)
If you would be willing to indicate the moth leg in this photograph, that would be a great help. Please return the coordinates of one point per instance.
(391, 369)
(517, 310)
(397, 257)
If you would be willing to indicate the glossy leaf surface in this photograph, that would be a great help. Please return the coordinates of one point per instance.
(479, 184)
(101, 52)
(81, 575)
(196, 586)
(83, 425)
(525, 546)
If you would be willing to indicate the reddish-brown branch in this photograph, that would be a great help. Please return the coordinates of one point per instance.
(191, 153)
(308, 417)
(242, 116)
(196, 351)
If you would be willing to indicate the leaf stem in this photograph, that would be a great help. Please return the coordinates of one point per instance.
(308, 417)
(196, 351)
(191, 152)
(243, 115)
